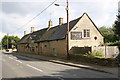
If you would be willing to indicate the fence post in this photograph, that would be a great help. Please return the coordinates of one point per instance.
(105, 51)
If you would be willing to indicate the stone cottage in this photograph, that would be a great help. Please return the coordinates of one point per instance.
(51, 41)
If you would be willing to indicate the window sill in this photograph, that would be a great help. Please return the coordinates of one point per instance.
(86, 38)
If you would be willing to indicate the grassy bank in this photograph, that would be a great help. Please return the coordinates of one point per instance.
(94, 60)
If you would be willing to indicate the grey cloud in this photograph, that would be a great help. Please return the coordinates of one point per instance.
(9, 7)
(94, 9)
(22, 8)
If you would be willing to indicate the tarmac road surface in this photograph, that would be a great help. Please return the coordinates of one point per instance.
(16, 66)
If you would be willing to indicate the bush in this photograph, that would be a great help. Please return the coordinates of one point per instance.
(117, 43)
(96, 54)
(94, 60)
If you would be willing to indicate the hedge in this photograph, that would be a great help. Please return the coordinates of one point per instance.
(117, 43)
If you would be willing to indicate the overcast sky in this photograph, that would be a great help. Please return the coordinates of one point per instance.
(14, 15)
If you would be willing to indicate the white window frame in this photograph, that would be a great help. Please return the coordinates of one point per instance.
(86, 33)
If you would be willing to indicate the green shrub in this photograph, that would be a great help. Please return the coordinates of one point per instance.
(96, 54)
(93, 60)
(117, 43)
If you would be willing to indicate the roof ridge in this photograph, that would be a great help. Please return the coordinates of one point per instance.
(58, 33)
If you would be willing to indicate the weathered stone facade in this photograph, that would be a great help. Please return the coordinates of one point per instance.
(52, 41)
(86, 23)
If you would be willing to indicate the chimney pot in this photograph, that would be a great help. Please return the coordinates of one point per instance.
(60, 21)
(50, 23)
(32, 29)
(24, 32)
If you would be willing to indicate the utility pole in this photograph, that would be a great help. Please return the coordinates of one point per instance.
(7, 41)
(67, 34)
(67, 27)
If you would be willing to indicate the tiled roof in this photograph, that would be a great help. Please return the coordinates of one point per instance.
(48, 34)
(24, 39)
(60, 33)
(54, 33)
(32, 36)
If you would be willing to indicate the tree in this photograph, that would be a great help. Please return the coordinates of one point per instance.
(0, 46)
(117, 27)
(108, 34)
(12, 40)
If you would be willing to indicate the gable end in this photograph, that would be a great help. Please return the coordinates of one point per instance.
(92, 23)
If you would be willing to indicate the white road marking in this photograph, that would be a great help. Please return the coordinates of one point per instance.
(18, 61)
(26, 65)
(10, 57)
(34, 67)
(15, 60)
(14, 57)
(60, 78)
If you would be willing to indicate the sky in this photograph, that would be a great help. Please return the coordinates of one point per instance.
(14, 14)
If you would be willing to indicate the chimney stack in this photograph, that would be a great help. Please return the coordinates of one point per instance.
(32, 29)
(24, 32)
(60, 21)
(50, 24)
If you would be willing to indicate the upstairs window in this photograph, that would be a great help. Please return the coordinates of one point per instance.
(86, 33)
(76, 35)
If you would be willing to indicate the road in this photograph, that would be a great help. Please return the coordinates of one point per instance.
(16, 66)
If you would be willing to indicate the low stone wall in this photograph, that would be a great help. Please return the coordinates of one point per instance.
(108, 51)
